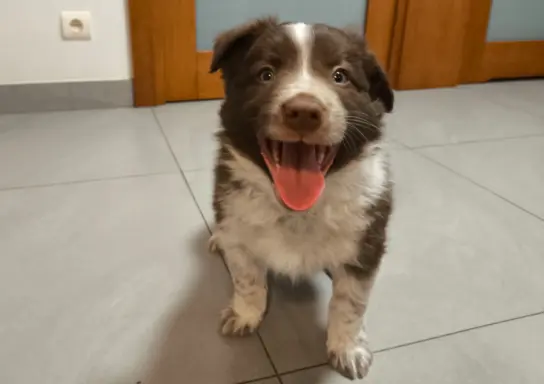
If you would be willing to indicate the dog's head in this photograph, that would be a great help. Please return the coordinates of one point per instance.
(301, 100)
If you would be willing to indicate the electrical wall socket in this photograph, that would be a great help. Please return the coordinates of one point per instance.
(76, 25)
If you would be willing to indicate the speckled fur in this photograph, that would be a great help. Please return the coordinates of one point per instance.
(345, 231)
(301, 243)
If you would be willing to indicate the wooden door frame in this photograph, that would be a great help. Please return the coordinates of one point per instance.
(163, 44)
(486, 60)
(414, 62)
(167, 66)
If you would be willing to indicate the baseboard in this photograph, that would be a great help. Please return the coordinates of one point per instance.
(23, 98)
(210, 85)
(513, 59)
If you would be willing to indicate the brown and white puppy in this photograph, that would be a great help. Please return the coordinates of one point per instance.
(301, 181)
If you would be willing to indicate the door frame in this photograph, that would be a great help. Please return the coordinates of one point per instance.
(166, 65)
(444, 44)
(487, 60)
(162, 42)
(420, 44)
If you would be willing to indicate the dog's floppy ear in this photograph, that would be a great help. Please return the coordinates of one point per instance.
(379, 85)
(238, 38)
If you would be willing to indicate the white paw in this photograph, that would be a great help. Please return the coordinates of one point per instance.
(213, 245)
(353, 361)
(234, 324)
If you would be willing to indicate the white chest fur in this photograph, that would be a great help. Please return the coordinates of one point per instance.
(301, 243)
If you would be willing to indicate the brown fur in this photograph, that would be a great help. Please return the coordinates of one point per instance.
(265, 41)
(345, 232)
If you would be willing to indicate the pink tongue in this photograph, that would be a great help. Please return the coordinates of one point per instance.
(298, 178)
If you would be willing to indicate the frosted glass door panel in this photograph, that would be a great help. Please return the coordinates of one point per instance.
(516, 20)
(214, 16)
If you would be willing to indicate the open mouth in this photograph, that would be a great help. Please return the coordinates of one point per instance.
(298, 170)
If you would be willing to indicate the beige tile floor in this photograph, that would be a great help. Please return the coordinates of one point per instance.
(105, 276)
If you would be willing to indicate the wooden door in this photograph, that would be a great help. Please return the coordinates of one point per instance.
(505, 40)
(445, 43)
(420, 43)
(171, 46)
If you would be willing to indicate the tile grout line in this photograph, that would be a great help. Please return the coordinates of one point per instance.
(438, 337)
(84, 181)
(499, 103)
(482, 187)
(470, 329)
(475, 141)
(467, 88)
(171, 150)
(267, 353)
(307, 368)
(256, 381)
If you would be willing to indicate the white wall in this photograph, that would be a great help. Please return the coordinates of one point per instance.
(32, 50)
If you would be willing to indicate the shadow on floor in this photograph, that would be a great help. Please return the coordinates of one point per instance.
(190, 349)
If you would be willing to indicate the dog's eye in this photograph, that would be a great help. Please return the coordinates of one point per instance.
(340, 76)
(266, 75)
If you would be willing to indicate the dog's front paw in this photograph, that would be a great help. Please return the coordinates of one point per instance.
(353, 361)
(213, 246)
(235, 324)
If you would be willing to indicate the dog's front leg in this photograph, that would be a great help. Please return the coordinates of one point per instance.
(248, 304)
(346, 339)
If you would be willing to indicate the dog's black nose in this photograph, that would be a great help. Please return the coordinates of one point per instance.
(303, 113)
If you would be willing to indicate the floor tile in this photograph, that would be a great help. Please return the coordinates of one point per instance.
(394, 145)
(526, 95)
(201, 183)
(269, 381)
(511, 168)
(190, 129)
(453, 115)
(110, 282)
(500, 354)
(55, 147)
(442, 273)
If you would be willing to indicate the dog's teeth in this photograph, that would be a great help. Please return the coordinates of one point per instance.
(320, 153)
(276, 151)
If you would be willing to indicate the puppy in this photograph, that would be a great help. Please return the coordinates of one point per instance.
(302, 182)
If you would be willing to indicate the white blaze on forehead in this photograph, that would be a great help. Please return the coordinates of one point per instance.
(303, 79)
(302, 35)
